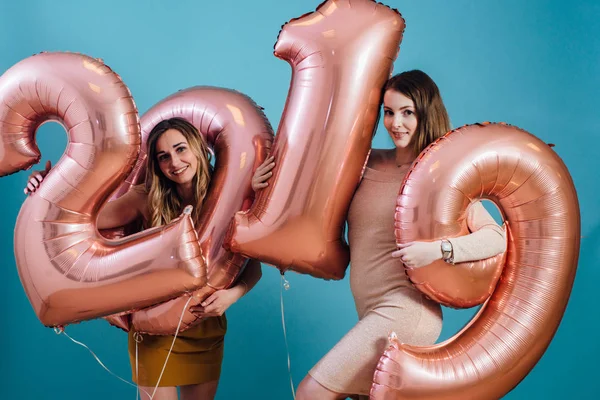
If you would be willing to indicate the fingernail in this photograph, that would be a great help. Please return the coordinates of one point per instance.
(203, 304)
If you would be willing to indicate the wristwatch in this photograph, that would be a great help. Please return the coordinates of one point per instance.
(447, 251)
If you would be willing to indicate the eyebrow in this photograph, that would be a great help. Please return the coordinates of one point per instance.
(401, 108)
(174, 146)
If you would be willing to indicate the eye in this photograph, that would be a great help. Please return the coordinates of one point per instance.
(408, 112)
(388, 112)
(163, 157)
(181, 149)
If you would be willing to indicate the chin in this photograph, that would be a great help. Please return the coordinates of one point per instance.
(189, 177)
(401, 145)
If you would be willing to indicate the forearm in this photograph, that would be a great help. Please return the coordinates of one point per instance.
(484, 243)
(249, 278)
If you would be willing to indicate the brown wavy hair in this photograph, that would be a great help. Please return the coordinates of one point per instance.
(432, 118)
(164, 203)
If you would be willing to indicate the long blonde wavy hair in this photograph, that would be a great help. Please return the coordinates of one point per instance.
(164, 203)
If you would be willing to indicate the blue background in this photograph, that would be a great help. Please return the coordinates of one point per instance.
(533, 64)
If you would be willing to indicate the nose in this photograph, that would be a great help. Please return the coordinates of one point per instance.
(398, 122)
(175, 161)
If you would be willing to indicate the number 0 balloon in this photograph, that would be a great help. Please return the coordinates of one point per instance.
(533, 189)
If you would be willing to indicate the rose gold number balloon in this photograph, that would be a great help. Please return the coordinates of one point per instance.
(507, 337)
(341, 55)
(240, 134)
(433, 205)
(69, 272)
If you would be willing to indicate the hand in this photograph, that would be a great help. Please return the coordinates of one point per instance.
(217, 303)
(262, 174)
(36, 178)
(418, 254)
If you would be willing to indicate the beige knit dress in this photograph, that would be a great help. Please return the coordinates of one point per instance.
(385, 300)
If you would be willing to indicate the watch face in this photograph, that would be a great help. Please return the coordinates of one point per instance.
(446, 246)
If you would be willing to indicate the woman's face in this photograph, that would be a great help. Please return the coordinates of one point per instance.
(400, 118)
(175, 158)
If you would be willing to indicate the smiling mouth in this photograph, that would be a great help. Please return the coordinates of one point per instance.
(399, 135)
(179, 171)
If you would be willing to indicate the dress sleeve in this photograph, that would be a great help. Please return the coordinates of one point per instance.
(486, 240)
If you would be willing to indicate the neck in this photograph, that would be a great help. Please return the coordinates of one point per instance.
(186, 194)
(404, 156)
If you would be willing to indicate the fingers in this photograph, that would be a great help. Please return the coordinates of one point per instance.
(267, 161)
(404, 258)
(30, 187)
(264, 177)
(260, 185)
(209, 300)
(36, 178)
(404, 245)
(261, 172)
(397, 254)
(205, 312)
(36, 181)
(211, 309)
(266, 166)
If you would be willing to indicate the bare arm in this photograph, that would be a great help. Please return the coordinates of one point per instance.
(123, 210)
(250, 277)
(218, 302)
(120, 212)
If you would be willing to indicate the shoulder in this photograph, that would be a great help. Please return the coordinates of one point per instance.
(139, 198)
(378, 158)
(140, 190)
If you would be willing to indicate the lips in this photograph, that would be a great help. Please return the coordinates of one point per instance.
(180, 171)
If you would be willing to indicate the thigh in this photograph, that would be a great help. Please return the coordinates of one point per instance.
(200, 391)
(162, 393)
(349, 366)
(310, 389)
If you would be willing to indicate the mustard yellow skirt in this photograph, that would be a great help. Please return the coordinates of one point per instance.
(196, 356)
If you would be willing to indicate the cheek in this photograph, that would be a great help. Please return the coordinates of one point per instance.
(163, 168)
(411, 125)
(387, 122)
(193, 161)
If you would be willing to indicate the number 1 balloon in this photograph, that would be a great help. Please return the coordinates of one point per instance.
(341, 56)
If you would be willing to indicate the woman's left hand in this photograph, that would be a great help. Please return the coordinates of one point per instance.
(418, 254)
(217, 303)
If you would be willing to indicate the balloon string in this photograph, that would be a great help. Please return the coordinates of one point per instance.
(137, 338)
(137, 373)
(60, 331)
(286, 285)
(172, 344)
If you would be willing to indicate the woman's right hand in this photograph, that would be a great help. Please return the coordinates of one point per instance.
(36, 178)
(262, 174)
